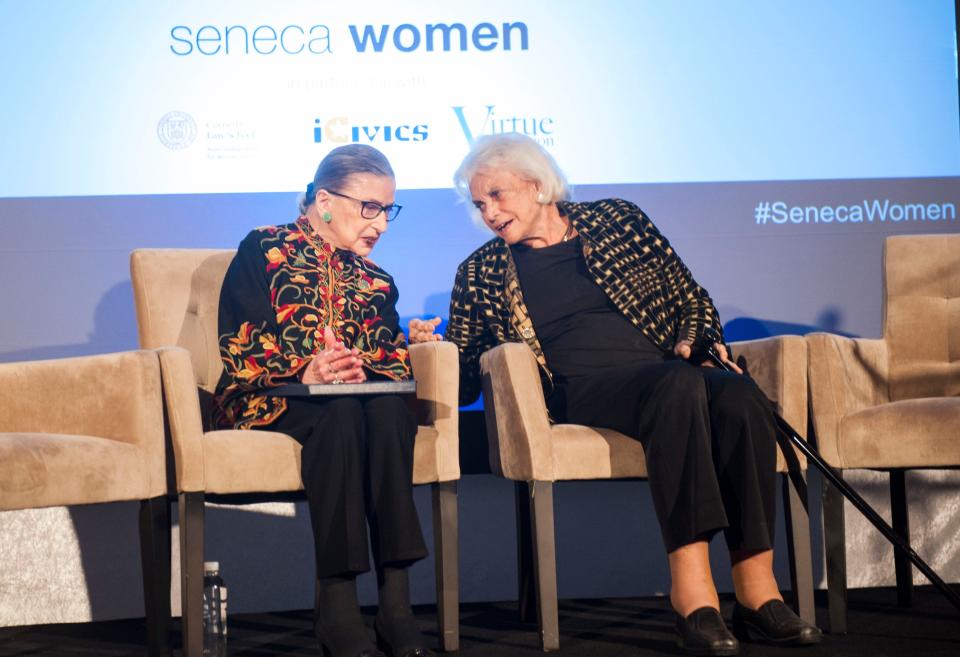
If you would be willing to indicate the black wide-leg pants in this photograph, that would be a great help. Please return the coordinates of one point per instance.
(710, 443)
(357, 469)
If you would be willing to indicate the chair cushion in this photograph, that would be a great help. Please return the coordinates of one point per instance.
(904, 434)
(237, 461)
(50, 469)
(581, 452)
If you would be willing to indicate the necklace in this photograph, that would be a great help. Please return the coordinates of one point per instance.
(568, 233)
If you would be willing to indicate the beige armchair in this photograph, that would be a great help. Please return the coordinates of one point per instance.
(891, 403)
(89, 430)
(177, 295)
(525, 447)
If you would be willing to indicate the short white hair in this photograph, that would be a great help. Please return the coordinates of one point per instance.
(518, 154)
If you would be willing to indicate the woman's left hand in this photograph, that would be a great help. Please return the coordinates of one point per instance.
(334, 363)
(684, 348)
(423, 330)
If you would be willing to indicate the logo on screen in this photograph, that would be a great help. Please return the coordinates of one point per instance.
(176, 130)
(488, 120)
(340, 130)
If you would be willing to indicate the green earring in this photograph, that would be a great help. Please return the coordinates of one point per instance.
(327, 217)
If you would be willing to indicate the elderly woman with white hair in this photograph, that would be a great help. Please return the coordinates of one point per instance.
(615, 319)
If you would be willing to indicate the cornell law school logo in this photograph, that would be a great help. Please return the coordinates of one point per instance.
(176, 130)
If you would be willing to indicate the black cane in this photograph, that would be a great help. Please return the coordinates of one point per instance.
(848, 492)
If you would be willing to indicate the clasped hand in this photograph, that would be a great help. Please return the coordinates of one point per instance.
(334, 363)
(684, 348)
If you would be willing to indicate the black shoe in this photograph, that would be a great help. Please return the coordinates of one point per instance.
(412, 652)
(410, 636)
(338, 623)
(703, 632)
(329, 639)
(365, 653)
(774, 622)
(371, 652)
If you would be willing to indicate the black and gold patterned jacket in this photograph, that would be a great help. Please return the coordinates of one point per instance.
(628, 258)
(282, 288)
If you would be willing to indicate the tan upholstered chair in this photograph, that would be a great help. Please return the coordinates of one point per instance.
(177, 294)
(891, 403)
(89, 430)
(525, 447)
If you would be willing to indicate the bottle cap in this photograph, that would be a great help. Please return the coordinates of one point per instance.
(211, 566)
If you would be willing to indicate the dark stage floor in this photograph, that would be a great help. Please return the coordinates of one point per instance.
(588, 628)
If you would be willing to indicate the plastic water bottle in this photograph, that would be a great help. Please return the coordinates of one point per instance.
(214, 611)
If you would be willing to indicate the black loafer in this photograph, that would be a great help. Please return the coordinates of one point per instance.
(411, 651)
(327, 651)
(365, 653)
(775, 623)
(703, 632)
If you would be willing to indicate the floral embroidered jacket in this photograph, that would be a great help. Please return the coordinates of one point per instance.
(282, 288)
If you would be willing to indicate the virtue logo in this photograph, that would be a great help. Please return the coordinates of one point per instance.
(488, 121)
(339, 130)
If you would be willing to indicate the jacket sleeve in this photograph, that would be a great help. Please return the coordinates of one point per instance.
(693, 307)
(382, 345)
(467, 330)
(247, 326)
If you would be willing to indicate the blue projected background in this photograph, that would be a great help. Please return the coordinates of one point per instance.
(794, 135)
(185, 97)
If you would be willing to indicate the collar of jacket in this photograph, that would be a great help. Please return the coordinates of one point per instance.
(520, 319)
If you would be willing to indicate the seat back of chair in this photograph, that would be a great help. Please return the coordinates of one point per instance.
(177, 296)
(921, 319)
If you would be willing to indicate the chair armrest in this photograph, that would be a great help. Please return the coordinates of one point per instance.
(436, 367)
(183, 417)
(115, 396)
(845, 375)
(518, 427)
(779, 366)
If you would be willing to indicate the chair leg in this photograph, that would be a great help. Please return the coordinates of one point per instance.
(446, 559)
(797, 521)
(527, 599)
(901, 525)
(191, 572)
(155, 562)
(834, 542)
(545, 563)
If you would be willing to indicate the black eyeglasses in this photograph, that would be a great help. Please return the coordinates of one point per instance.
(371, 209)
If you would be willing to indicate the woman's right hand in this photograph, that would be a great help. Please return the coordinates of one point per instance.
(334, 363)
(423, 330)
(684, 349)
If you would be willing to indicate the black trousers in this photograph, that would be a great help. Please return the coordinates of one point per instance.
(710, 443)
(357, 469)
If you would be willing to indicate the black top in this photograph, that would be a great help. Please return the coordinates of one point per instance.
(579, 328)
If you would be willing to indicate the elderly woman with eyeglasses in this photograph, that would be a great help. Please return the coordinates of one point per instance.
(614, 318)
(302, 303)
